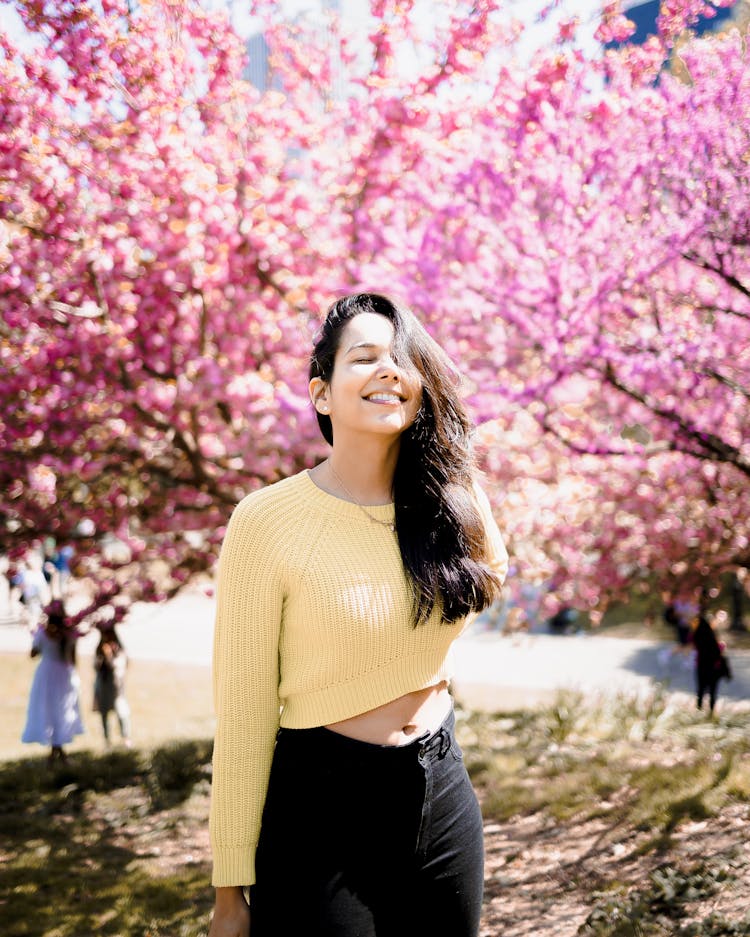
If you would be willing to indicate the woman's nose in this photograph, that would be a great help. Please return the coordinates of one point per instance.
(388, 369)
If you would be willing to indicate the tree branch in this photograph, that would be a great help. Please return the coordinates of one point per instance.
(703, 445)
(728, 278)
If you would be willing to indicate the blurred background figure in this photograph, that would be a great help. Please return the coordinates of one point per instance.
(738, 597)
(110, 664)
(563, 620)
(676, 620)
(56, 566)
(35, 592)
(13, 580)
(63, 560)
(53, 715)
(710, 661)
(49, 548)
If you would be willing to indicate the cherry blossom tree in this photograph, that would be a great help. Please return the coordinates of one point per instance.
(638, 320)
(151, 332)
(572, 227)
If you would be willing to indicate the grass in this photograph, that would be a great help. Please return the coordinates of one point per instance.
(167, 702)
(115, 843)
(640, 772)
(659, 908)
(569, 757)
(83, 843)
(70, 866)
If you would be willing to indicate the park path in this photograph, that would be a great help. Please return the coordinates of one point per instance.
(492, 671)
(498, 672)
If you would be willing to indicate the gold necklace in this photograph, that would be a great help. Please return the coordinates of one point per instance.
(389, 524)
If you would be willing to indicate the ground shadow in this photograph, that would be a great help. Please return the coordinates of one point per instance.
(673, 666)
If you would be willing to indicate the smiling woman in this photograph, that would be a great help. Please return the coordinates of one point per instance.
(341, 590)
(367, 392)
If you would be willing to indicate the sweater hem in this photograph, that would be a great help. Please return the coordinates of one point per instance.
(365, 692)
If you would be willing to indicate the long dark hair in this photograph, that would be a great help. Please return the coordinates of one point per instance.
(59, 628)
(107, 635)
(440, 530)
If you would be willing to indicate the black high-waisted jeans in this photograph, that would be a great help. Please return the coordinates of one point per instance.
(362, 840)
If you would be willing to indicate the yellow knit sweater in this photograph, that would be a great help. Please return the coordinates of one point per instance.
(314, 624)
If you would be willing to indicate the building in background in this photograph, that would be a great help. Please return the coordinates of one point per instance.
(644, 13)
(323, 17)
(258, 68)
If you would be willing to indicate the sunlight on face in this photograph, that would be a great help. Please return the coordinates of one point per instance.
(368, 392)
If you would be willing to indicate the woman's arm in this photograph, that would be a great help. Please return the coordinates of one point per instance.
(497, 555)
(246, 684)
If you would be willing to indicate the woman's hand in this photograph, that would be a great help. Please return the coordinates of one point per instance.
(231, 917)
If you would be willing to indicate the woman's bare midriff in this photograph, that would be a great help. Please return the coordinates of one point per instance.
(401, 720)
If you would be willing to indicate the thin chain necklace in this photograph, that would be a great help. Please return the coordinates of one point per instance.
(389, 524)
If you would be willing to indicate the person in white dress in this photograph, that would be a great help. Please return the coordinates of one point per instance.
(53, 715)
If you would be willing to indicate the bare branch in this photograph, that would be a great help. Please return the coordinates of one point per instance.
(695, 442)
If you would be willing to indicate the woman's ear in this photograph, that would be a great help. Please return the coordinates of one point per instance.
(318, 389)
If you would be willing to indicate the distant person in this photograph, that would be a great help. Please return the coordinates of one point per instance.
(62, 560)
(710, 662)
(13, 577)
(678, 623)
(562, 620)
(48, 550)
(110, 664)
(738, 597)
(35, 591)
(53, 716)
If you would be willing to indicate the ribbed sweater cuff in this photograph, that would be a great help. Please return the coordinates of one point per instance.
(233, 865)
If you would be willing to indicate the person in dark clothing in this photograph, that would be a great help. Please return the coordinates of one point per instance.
(710, 664)
(563, 618)
(110, 664)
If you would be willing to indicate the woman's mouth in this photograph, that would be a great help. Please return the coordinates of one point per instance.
(385, 398)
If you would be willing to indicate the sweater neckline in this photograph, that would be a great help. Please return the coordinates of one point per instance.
(379, 512)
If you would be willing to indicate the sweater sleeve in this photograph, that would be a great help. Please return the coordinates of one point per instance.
(497, 555)
(246, 697)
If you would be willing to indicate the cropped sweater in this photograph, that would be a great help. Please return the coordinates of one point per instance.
(314, 624)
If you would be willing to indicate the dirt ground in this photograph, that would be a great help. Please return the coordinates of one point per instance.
(540, 874)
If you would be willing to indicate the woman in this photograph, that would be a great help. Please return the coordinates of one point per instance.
(710, 663)
(339, 792)
(110, 664)
(54, 716)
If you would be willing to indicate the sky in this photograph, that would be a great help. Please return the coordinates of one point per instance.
(536, 34)
(354, 15)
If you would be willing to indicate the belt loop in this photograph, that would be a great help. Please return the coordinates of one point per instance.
(440, 742)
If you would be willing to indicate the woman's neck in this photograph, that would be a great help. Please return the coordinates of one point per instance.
(365, 474)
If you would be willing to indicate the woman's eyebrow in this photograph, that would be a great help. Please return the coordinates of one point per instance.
(357, 345)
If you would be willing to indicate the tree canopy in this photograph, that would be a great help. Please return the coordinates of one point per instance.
(572, 226)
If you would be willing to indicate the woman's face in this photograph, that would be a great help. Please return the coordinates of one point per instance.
(367, 392)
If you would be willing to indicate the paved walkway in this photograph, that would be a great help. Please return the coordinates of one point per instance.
(497, 672)
(492, 671)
